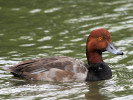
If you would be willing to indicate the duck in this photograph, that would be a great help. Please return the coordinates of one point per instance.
(68, 69)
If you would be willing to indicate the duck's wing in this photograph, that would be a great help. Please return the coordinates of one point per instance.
(49, 69)
(42, 64)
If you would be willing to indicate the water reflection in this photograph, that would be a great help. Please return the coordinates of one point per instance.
(88, 90)
(95, 92)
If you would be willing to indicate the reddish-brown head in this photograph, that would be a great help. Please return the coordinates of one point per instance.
(99, 41)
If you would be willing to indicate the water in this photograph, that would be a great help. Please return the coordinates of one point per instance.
(32, 29)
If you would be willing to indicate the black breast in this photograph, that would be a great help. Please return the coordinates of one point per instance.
(98, 71)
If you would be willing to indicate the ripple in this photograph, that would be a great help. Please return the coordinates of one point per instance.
(115, 59)
(16, 55)
(113, 88)
(124, 7)
(27, 45)
(43, 55)
(84, 31)
(83, 44)
(1, 34)
(129, 67)
(130, 62)
(84, 26)
(47, 90)
(66, 51)
(69, 44)
(64, 32)
(52, 10)
(130, 52)
(39, 28)
(45, 38)
(13, 39)
(15, 9)
(114, 3)
(35, 10)
(125, 42)
(90, 18)
(115, 28)
(45, 47)
(128, 17)
(7, 62)
(12, 52)
(130, 21)
(25, 38)
(129, 97)
(46, 31)
(59, 47)
(76, 40)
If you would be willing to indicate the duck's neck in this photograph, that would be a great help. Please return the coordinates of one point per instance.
(94, 57)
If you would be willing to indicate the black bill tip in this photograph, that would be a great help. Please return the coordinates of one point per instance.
(120, 53)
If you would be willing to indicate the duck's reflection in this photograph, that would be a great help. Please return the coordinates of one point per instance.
(94, 88)
(94, 91)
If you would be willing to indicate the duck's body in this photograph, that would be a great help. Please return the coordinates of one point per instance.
(61, 68)
(64, 69)
(58, 68)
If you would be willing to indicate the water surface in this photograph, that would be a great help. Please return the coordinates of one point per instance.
(32, 29)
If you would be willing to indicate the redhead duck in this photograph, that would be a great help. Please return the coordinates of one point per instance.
(64, 69)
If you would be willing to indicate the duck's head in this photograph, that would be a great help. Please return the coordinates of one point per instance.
(99, 41)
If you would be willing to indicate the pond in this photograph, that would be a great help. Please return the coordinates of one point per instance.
(31, 29)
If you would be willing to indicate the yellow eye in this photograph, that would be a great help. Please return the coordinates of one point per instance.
(99, 38)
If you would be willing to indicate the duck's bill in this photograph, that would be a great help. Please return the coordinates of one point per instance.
(111, 48)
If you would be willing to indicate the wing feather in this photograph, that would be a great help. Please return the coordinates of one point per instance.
(43, 64)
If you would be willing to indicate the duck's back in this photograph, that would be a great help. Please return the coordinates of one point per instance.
(60, 68)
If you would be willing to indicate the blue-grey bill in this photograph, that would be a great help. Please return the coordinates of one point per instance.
(111, 48)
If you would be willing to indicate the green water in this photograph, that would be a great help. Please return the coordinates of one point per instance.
(32, 29)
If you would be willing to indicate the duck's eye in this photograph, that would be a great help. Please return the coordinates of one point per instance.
(100, 38)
